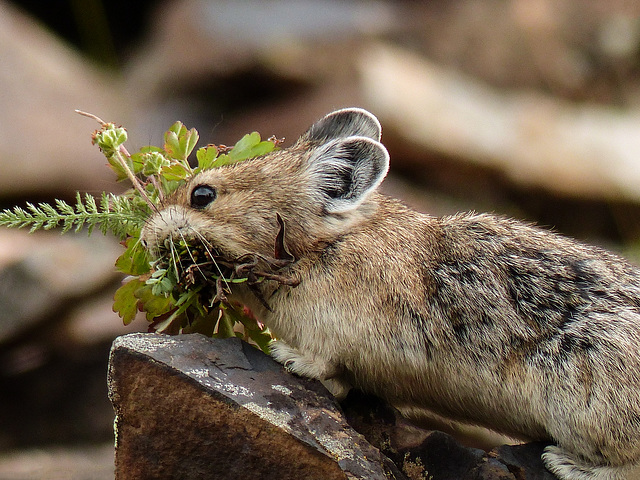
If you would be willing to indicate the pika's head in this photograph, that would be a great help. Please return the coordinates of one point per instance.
(320, 187)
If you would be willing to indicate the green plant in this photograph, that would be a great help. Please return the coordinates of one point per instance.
(174, 291)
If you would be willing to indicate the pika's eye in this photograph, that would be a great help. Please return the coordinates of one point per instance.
(202, 196)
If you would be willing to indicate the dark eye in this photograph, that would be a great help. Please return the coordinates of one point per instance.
(202, 196)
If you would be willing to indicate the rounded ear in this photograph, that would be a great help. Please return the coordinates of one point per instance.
(348, 122)
(345, 171)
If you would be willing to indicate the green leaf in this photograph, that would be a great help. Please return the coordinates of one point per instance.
(170, 303)
(169, 186)
(119, 170)
(164, 286)
(116, 214)
(190, 142)
(263, 339)
(242, 149)
(153, 305)
(222, 160)
(206, 157)
(263, 148)
(189, 299)
(204, 324)
(180, 142)
(135, 259)
(163, 281)
(256, 332)
(177, 171)
(225, 325)
(171, 142)
(125, 303)
(250, 146)
(64, 208)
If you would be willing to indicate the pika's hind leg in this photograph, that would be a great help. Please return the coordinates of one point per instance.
(567, 466)
(310, 366)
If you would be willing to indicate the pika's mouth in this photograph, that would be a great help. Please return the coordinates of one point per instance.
(200, 266)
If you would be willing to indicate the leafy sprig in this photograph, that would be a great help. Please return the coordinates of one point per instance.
(110, 213)
(165, 289)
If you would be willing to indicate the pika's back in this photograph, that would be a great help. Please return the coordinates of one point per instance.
(549, 279)
(521, 290)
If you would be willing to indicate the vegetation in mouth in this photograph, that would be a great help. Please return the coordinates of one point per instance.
(197, 273)
(186, 288)
(200, 265)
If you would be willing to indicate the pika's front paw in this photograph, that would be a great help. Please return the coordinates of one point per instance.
(308, 366)
(297, 362)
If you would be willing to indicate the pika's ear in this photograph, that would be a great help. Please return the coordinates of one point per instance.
(348, 122)
(345, 171)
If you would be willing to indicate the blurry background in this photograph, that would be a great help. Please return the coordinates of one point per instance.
(529, 108)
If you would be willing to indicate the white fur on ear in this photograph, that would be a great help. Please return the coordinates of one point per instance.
(345, 171)
(348, 122)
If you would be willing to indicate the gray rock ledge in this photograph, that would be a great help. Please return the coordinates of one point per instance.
(194, 407)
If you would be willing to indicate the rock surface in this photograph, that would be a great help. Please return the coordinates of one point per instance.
(54, 343)
(195, 407)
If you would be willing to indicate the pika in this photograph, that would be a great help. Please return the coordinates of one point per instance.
(475, 317)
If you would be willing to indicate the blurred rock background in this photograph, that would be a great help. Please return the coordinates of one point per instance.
(529, 108)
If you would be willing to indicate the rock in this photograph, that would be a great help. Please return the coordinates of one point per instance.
(416, 452)
(53, 395)
(523, 460)
(244, 72)
(535, 45)
(442, 457)
(290, 37)
(490, 469)
(195, 407)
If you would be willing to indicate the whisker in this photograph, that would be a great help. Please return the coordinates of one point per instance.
(174, 257)
(206, 242)
(195, 263)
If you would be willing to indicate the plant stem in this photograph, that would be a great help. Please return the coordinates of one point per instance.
(135, 181)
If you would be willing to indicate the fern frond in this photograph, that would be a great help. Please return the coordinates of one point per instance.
(120, 215)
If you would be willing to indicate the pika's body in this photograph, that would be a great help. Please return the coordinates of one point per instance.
(478, 318)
